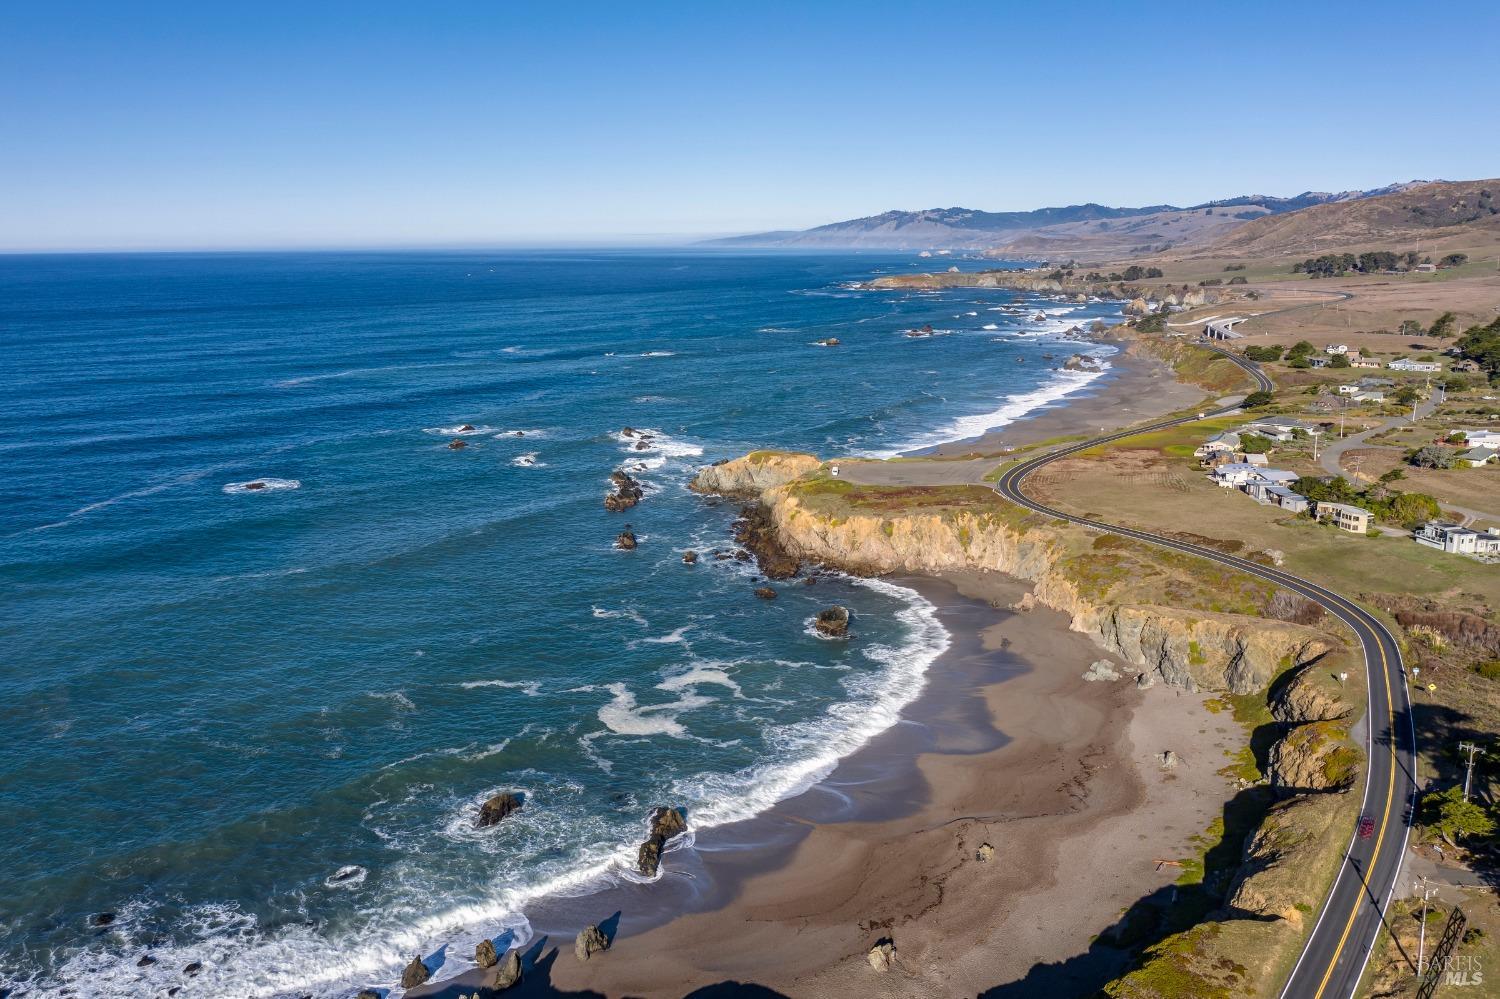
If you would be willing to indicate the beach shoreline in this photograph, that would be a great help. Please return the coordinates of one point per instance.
(1006, 745)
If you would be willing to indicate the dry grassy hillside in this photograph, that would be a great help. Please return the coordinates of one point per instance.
(1429, 214)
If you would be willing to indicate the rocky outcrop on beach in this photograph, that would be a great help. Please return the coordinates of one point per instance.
(414, 974)
(497, 808)
(590, 942)
(626, 492)
(882, 956)
(484, 954)
(626, 540)
(665, 825)
(833, 622)
(505, 974)
(1101, 670)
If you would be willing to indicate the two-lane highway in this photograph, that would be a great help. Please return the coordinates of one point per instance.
(1336, 952)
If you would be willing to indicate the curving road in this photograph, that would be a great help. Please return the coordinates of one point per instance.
(1336, 952)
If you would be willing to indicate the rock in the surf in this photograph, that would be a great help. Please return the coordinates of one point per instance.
(457, 444)
(756, 532)
(666, 823)
(627, 492)
(626, 540)
(497, 808)
(484, 954)
(253, 486)
(590, 942)
(415, 974)
(192, 969)
(367, 994)
(833, 622)
(102, 919)
(506, 973)
(146, 961)
(765, 593)
(689, 557)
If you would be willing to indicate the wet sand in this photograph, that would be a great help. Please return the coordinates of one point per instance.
(1007, 745)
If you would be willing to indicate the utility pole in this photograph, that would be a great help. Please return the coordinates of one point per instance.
(1472, 750)
(1422, 939)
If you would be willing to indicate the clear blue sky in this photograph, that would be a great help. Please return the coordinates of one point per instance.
(155, 125)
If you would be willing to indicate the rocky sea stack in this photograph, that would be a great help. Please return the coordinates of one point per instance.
(833, 622)
(497, 808)
(627, 492)
(590, 942)
(757, 532)
(626, 539)
(666, 824)
(415, 974)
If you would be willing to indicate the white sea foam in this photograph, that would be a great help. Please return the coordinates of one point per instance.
(528, 460)
(629, 612)
(349, 876)
(658, 353)
(701, 673)
(531, 688)
(623, 716)
(657, 443)
(520, 433)
(260, 486)
(1063, 384)
(460, 430)
(989, 326)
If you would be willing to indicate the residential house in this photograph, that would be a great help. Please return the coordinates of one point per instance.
(1318, 362)
(1260, 485)
(1281, 428)
(1348, 389)
(1233, 474)
(1258, 460)
(1369, 395)
(1458, 540)
(1407, 364)
(1365, 362)
(1222, 443)
(1479, 438)
(1283, 497)
(1336, 348)
(1464, 366)
(1346, 517)
(1425, 268)
(1481, 456)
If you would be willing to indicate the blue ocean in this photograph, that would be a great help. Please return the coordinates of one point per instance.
(269, 641)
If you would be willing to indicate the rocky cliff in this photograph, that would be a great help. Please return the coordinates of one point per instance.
(873, 531)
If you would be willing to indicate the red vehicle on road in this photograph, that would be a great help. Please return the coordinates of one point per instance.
(1366, 826)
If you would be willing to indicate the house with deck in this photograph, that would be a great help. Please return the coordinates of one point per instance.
(1407, 364)
(1479, 438)
(1344, 516)
(1458, 540)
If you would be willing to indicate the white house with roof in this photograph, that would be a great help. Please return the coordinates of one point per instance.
(1234, 474)
(1345, 516)
(1479, 438)
(1458, 540)
(1364, 362)
(1222, 443)
(1336, 348)
(1349, 389)
(1481, 456)
(1407, 364)
(1281, 428)
(1369, 395)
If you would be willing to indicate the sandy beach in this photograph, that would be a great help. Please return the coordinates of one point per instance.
(1008, 746)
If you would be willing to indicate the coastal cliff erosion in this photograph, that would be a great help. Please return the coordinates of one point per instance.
(1177, 621)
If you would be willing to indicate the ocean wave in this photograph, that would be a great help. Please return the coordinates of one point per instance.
(260, 486)
(649, 441)
(531, 688)
(528, 460)
(1014, 407)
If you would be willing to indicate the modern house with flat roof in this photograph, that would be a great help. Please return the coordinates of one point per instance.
(1458, 540)
(1479, 438)
(1281, 428)
(1346, 517)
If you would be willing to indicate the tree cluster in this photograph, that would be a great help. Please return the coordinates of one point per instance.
(1385, 504)
(1369, 262)
(1481, 344)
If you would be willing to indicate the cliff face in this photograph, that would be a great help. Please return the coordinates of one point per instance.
(1190, 649)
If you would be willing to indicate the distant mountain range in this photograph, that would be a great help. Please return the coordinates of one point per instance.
(1074, 229)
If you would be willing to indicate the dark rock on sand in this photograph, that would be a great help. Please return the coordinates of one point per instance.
(457, 444)
(626, 541)
(627, 492)
(484, 954)
(755, 531)
(666, 824)
(415, 974)
(590, 942)
(833, 622)
(882, 955)
(765, 593)
(506, 973)
(497, 808)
